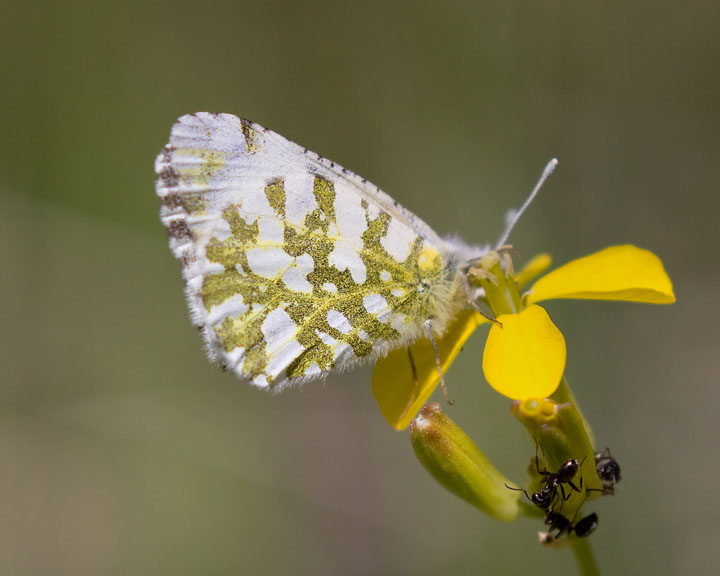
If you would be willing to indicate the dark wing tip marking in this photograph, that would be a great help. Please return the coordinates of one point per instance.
(178, 229)
(169, 177)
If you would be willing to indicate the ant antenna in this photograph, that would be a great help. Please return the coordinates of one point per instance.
(549, 169)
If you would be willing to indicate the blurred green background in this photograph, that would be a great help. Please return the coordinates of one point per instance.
(125, 452)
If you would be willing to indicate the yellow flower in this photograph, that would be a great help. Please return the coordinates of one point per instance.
(525, 352)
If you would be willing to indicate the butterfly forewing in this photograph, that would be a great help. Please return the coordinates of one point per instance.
(293, 265)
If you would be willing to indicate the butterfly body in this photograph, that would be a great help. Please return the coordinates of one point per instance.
(293, 265)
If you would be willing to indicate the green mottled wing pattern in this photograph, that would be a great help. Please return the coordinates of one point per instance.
(293, 265)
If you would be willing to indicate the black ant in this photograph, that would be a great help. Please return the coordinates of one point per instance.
(608, 470)
(586, 526)
(583, 528)
(553, 481)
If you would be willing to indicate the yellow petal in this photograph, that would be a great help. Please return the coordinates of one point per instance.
(399, 394)
(616, 273)
(525, 357)
(533, 269)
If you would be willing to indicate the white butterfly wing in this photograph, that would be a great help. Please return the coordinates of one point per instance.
(293, 265)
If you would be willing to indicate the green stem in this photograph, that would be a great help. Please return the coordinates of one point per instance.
(564, 394)
(585, 557)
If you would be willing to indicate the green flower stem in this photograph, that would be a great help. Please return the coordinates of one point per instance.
(581, 444)
(584, 557)
(564, 395)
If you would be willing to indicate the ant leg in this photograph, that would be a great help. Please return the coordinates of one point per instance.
(544, 471)
(565, 497)
(572, 523)
(575, 488)
(519, 490)
(605, 490)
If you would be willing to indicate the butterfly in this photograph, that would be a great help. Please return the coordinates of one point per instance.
(294, 266)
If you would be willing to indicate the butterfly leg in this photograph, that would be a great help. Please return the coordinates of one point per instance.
(471, 301)
(413, 367)
(438, 363)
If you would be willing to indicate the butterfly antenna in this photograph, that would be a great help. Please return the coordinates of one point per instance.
(549, 169)
(438, 364)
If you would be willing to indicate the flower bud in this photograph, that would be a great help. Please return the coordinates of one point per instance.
(457, 463)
